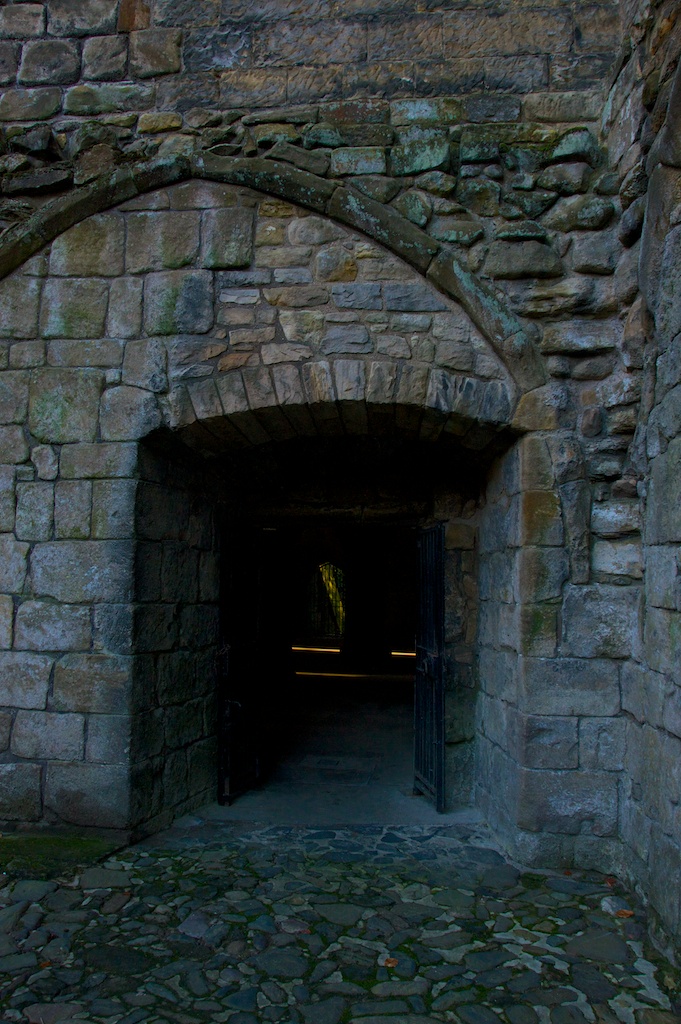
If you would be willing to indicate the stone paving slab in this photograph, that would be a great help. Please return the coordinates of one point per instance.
(215, 921)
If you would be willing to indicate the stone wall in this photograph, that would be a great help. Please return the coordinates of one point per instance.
(243, 223)
(137, 59)
(642, 121)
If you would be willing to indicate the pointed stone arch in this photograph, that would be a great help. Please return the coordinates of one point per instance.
(438, 262)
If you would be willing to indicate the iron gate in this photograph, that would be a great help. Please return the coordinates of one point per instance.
(429, 704)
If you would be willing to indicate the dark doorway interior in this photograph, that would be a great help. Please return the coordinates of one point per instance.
(320, 621)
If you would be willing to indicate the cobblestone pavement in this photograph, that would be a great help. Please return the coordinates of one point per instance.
(247, 923)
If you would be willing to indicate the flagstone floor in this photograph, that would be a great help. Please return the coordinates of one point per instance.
(234, 921)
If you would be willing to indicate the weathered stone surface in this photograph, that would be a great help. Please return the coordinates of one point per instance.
(513, 260)
(92, 683)
(13, 565)
(346, 339)
(21, 22)
(19, 305)
(178, 302)
(581, 337)
(42, 626)
(74, 308)
(227, 238)
(569, 686)
(663, 520)
(49, 62)
(600, 621)
(89, 794)
(545, 741)
(64, 404)
(29, 104)
(94, 248)
(155, 52)
(579, 213)
(108, 98)
(568, 802)
(89, 17)
(160, 240)
(77, 571)
(128, 413)
(357, 160)
(43, 735)
(24, 679)
(104, 58)
(20, 797)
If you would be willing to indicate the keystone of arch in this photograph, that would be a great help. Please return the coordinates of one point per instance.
(437, 261)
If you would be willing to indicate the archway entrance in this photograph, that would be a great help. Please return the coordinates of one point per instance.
(336, 591)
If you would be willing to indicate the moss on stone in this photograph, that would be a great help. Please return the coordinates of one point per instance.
(41, 855)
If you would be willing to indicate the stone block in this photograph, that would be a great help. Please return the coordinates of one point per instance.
(537, 629)
(313, 231)
(5, 729)
(89, 794)
(580, 213)
(124, 319)
(94, 248)
(412, 298)
(72, 508)
(144, 365)
(178, 302)
(49, 62)
(6, 621)
(536, 467)
(155, 627)
(515, 260)
(42, 626)
(34, 510)
(481, 108)
(9, 62)
(13, 445)
(244, 87)
(615, 518)
(427, 154)
(663, 518)
(64, 404)
(45, 736)
(540, 574)
(46, 461)
(78, 571)
(540, 519)
(346, 339)
(19, 305)
(13, 396)
(106, 354)
(104, 58)
(74, 308)
(600, 621)
(107, 98)
(92, 684)
(161, 240)
(302, 326)
(13, 564)
(155, 51)
(572, 803)
(113, 509)
(569, 686)
(357, 160)
(113, 629)
(602, 743)
(24, 679)
(128, 413)
(227, 238)
(86, 18)
(22, 21)
(309, 42)
(618, 558)
(29, 104)
(357, 296)
(20, 797)
(108, 739)
(663, 577)
(663, 641)
(99, 460)
(7, 498)
(538, 741)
